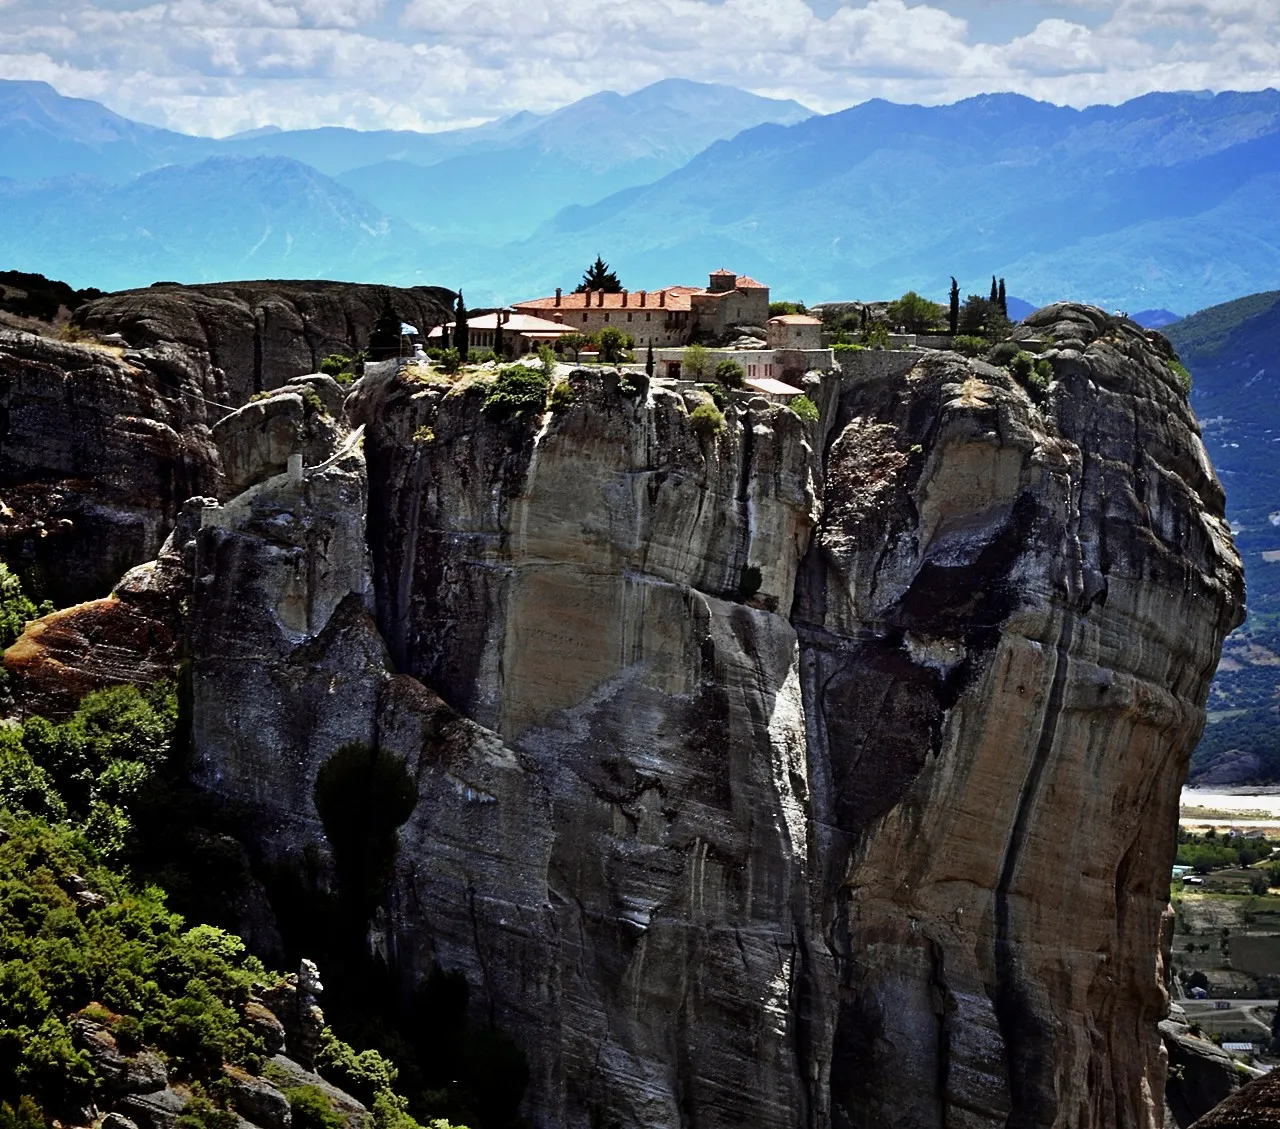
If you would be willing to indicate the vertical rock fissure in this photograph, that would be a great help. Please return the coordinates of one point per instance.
(1019, 1024)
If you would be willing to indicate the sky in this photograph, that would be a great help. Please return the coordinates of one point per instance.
(219, 66)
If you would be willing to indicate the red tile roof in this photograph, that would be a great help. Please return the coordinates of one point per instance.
(677, 299)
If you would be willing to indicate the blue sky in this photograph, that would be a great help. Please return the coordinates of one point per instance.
(218, 66)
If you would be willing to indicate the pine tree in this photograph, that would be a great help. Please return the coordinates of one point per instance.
(498, 342)
(995, 292)
(1003, 300)
(461, 334)
(648, 360)
(599, 277)
(384, 338)
(953, 317)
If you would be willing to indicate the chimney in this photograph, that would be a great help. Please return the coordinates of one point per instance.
(559, 319)
(586, 297)
(662, 297)
(600, 300)
(642, 298)
(624, 299)
(557, 297)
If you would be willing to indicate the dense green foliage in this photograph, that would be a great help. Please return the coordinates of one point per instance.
(915, 314)
(1204, 335)
(339, 366)
(730, 373)
(781, 309)
(16, 609)
(72, 934)
(695, 363)
(805, 408)
(562, 396)
(1212, 851)
(614, 344)
(706, 420)
(88, 769)
(517, 392)
(874, 335)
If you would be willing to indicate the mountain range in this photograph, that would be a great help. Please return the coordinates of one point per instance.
(1163, 203)
(1233, 353)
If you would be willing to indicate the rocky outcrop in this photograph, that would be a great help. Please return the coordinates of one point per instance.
(254, 336)
(1255, 1105)
(98, 452)
(783, 775)
(1201, 1074)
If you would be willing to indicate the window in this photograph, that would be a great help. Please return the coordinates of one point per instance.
(751, 370)
(768, 370)
(606, 317)
(584, 318)
(628, 317)
(647, 316)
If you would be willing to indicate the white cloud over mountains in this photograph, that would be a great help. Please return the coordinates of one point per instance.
(216, 66)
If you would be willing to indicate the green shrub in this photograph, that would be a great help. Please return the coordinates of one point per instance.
(92, 767)
(547, 359)
(970, 345)
(449, 361)
(1020, 365)
(628, 388)
(24, 1114)
(335, 364)
(201, 1113)
(706, 420)
(562, 396)
(1184, 376)
(843, 348)
(16, 610)
(805, 408)
(1003, 353)
(311, 1109)
(695, 363)
(518, 391)
(779, 309)
(718, 393)
(365, 1074)
(614, 344)
(875, 336)
(730, 373)
(179, 990)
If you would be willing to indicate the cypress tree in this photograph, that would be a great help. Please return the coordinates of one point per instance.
(1003, 300)
(953, 317)
(461, 334)
(648, 360)
(995, 292)
(498, 342)
(384, 338)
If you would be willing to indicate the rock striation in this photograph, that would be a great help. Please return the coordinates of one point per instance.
(255, 336)
(789, 774)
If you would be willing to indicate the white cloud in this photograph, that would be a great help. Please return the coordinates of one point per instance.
(222, 65)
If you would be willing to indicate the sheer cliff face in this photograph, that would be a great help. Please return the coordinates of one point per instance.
(883, 840)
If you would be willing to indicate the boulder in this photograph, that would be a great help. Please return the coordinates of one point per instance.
(257, 1100)
(140, 1072)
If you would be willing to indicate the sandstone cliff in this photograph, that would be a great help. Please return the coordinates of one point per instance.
(794, 775)
(253, 336)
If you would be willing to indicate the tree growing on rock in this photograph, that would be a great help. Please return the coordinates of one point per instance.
(953, 315)
(914, 313)
(614, 345)
(384, 338)
(599, 276)
(576, 342)
(461, 333)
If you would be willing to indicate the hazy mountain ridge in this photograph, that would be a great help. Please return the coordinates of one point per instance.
(1131, 205)
(1163, 202)
(1233, 352)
